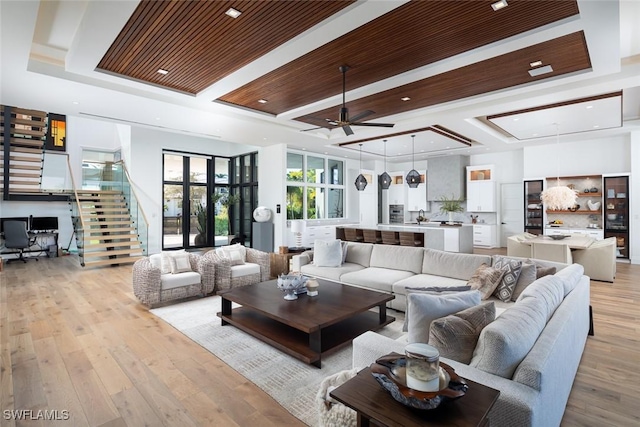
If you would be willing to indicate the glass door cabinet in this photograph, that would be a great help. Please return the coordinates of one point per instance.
(616, 206)
(533, 207)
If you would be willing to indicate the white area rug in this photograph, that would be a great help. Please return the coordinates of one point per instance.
(289, 381)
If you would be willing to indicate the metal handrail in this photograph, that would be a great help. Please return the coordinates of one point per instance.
(124, 167)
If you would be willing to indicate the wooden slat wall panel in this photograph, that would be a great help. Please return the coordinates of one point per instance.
(199, 44)
(567, 54)
(413, 35)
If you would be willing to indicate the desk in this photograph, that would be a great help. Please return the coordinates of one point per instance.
(39, 243)
(574, 242)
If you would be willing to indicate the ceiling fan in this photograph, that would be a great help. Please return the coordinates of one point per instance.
(343, 120)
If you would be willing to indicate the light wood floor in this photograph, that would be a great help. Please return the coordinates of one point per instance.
(77, 340)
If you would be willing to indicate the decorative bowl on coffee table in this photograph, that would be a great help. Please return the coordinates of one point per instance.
(390, 372)
(291, 285)
(559, 236)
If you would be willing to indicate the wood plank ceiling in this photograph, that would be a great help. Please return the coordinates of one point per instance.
(200, 45)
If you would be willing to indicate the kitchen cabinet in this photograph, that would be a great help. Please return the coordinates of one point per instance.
(417, 197)
(484, 235)
(481, 189)
(397, 190)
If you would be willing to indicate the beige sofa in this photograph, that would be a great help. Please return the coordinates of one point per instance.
(530, 353)
(392, 269)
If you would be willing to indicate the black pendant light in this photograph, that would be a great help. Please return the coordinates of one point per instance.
(361, 181)
(385, 180)
(413, 177)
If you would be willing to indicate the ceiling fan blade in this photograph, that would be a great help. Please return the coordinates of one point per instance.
(381, 125)
(307, 130)
(347, 130)
(361, 115)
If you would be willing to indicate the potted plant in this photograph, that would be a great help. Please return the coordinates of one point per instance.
(450, 206)
(201, 216)
(225, 200)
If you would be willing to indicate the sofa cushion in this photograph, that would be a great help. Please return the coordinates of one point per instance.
(455, 336)
(549, 289)
(486, 280)
(375, 278)
(528, 275)
(359, 253)
(397, 258)
(431, 290)
(245, 269)
(570, 276)
(156, 262)
(447, 264)
(424, 308)
(327, 253)
(330, 273)
(426, 281)
(171, 281)
(505, 342)
(511, 268)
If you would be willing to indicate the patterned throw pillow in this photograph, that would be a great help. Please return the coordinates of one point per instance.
(455, 336)
(511, 268)
(180, 263)
(486, 279)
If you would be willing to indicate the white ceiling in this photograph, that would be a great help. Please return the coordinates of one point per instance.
(50, 50)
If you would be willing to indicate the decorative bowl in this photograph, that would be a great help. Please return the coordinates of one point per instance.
(559, 236)
(291, 284)
(390, 372)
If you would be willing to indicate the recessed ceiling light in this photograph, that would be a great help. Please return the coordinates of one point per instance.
(75, 102)
(535, 64)
(589, 107)
(535, 134)
(406, 98)
(596, 126)
(326, 152)
(516, 119)
(499, 5)
(163, 71)
(157, 118)
(234, 13)
(262, 101)
(540, 70)
(304, 149)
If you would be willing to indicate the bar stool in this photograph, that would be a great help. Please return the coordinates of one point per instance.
(390, 237)
(353, 235)
(372, 236)
(409, 239)
(340, 233)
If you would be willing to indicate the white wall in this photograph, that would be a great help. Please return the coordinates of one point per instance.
(272, 166)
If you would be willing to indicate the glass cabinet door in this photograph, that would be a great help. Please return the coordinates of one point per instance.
(533, 207)
(616, 197)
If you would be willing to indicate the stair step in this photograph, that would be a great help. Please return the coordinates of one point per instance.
(90, 222)
(124, 243)
(22, 174)
(93, 210)
(101, 215)
(13, 190)
(30, 132)
(28, 122)
(110, 237)
(14, 149)
(93, 231)
(112, 261)
(23, 159)
(18, 182)
(104, 253)
(28, 112)
(15, 167)
(98, 192)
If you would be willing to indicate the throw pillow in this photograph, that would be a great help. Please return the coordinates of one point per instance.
(345, 245)
(425, 308)
(486, 280)
(180, 263)
(455, 336)
(527, 277)
(327, 253)
(433, 290)
(166, 260)
(544, 271)
(507, 285)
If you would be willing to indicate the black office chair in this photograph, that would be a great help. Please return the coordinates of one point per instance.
(16, 237)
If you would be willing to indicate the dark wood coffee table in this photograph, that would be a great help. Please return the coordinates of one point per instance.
(363, 394)
(308, 327)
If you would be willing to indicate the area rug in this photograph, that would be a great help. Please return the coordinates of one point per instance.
(289, 381)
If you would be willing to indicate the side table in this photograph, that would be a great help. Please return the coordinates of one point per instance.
(364, 395)
(279, 263)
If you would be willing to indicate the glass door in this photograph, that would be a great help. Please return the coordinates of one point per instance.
(616, 196)
(533, 207)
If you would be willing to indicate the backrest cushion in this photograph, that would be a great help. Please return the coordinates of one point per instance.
(359, 253)
(455, 336)
(156, 261)
(570, 276)
(447, 264)
(549, 289)
(505, 342)
(327, 253)
(425, 308)
(527, 276)
(403, 258)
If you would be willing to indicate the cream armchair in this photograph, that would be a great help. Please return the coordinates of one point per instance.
(153, 282)
(516, 245)
(598, 260)
(252, 266)
(551, 252)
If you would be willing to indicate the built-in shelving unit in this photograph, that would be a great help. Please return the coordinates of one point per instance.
(533, 212)
(587, 214)
(616, 205)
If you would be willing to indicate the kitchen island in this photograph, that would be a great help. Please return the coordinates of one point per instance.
(456, 238)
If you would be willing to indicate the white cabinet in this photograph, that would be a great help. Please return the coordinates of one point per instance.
(484, 235)
(481, 189)
(596, 233)
(397, 189)
(451, 240)
(417, 197)
(319, 232)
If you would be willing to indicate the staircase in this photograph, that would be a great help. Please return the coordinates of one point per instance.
(23, 131)
(105, 233)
